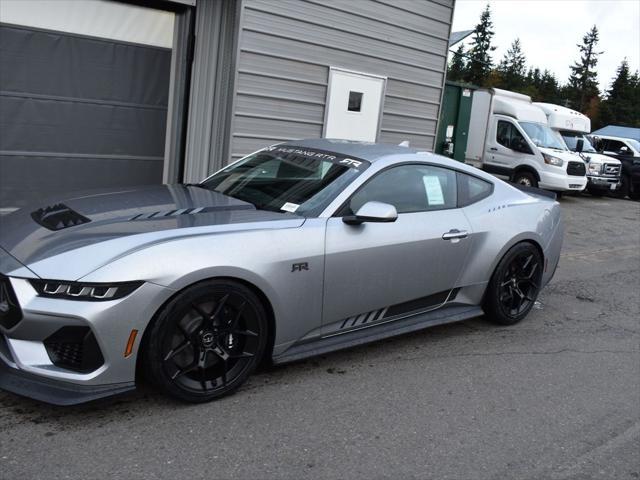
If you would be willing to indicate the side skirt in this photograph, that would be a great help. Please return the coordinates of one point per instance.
(378, 332)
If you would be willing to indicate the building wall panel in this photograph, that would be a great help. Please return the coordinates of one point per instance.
(286, 49)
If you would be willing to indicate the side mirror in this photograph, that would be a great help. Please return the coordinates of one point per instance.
(579, 145)
(375, 212)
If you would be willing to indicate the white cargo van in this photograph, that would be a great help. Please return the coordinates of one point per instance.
(510, 138)
(603, 173)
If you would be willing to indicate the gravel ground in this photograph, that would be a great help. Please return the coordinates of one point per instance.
(554, 397)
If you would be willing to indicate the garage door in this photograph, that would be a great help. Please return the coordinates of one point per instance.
(83, 96)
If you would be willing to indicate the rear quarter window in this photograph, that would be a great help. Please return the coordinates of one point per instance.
(472, 189)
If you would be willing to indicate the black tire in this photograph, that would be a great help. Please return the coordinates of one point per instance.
(525, 178)
(595, 192)
(206, 341)
(634, 191)
(515, 285)
(625, 187)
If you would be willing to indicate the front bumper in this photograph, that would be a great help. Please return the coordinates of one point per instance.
(561, 182)
(28, 367)
(55, 392)
(603, 183)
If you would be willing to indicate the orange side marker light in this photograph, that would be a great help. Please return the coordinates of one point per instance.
(132, 339)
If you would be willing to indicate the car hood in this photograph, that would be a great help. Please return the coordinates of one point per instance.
(566, 155)
(119, 222)
(599, 158)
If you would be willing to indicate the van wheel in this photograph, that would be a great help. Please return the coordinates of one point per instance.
(525, 178)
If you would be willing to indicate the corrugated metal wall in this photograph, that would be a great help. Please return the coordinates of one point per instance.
(287, 46)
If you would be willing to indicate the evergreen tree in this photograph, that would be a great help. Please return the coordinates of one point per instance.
(621, 105)
(549, 89)
(457, 66)
(479, 62)
(513, 67)
(583, 82)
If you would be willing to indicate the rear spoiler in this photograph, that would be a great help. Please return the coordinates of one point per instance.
(534, 191)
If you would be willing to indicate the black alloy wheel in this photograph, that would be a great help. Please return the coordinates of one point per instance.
(207, 341)
(515, 285)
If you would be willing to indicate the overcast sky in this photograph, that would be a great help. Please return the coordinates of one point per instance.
(550, 29)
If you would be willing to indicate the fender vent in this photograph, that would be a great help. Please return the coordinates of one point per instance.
(190, 211)
(58, 217)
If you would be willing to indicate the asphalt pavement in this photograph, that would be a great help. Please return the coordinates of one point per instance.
(555, 397)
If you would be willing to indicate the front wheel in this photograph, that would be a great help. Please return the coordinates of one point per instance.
(206, 341)
(515, 285)
(525, 178)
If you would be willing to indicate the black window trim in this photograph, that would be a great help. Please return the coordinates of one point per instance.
(339, 213)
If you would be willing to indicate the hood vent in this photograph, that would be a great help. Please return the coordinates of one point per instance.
(190, 211)
(58, 217)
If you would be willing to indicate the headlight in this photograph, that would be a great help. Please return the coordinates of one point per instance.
(594, 169)
(83, 291)
(551, 160)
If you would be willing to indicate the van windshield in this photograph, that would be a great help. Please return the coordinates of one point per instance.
(542, 136)
(571, 139)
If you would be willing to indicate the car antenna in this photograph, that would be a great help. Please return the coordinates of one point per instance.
(404, 143)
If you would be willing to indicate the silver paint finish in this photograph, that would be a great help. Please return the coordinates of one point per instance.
(352, 270)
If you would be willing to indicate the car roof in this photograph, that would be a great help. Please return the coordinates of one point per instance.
(364, 150)
(373, 152)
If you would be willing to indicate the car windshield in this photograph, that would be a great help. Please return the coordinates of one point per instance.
(542, 136)
(287, 179)
(571, 139)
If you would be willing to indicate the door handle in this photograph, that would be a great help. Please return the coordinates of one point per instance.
(455, 234)
(493, 149)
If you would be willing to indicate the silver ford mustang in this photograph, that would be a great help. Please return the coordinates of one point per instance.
(296, 250)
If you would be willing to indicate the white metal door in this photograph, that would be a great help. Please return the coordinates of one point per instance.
(354, 105)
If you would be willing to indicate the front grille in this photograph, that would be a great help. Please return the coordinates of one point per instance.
(10, 312)
(611, 169)
(576, 169)
(74, 348)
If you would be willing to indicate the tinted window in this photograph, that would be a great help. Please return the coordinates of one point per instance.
(409, 188)
(472, 189)
(614, 146)
(508, 136)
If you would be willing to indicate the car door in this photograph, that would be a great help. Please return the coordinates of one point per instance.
(374, 271)
(506, 148)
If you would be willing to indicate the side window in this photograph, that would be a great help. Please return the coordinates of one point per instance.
(409, 188)
(510, 137)
(472, 189)
(613, 146)
(503, 133)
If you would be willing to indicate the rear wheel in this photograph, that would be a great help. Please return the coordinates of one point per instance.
(525, 178)
(206, 341)
(515, 285)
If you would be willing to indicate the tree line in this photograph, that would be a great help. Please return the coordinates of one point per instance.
(618, 105)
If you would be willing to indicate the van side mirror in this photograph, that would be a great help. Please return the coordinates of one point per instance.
(375, 212)
(579, 145)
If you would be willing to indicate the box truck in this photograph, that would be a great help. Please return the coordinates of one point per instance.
(509, 137)
(603, 172)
